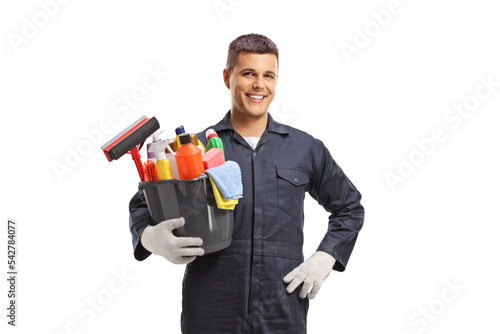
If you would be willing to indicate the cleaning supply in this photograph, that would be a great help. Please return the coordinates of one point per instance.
(179, 131)
(128, 140)
(196, 142)
(213, 158)
(151, 154)
(150, 171)
(171, 157)
(168, 147)
(189, 159)
(163, 171)
(219, 200)
(213, 141)
(173, 145)
(228, 179)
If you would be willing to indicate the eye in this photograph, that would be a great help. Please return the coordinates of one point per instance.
(248, 73)
(270, 76)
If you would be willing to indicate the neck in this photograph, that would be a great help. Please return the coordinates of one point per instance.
(248, 126)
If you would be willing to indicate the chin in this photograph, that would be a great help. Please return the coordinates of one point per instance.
(256, 114)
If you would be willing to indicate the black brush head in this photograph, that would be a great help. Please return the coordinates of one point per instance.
(133, 139)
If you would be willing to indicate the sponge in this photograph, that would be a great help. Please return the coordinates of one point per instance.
(213, 158)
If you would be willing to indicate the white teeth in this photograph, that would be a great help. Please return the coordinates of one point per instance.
(256, 97)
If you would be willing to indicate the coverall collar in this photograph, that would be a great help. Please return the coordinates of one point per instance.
(272, 126)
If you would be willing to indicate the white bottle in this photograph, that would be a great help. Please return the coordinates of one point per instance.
(171, 158)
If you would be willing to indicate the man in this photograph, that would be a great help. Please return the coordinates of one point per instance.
(253, 286)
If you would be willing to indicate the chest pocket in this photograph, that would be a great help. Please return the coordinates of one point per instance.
(292, 184)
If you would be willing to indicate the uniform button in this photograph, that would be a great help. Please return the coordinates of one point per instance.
(296, 180)
(254, 154)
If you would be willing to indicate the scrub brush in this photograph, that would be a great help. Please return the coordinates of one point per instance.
(150, 171)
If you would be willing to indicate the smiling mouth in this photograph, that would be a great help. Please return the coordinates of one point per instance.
(256, 98)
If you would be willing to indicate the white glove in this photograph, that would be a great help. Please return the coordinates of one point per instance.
(312, 272)
(160, 240)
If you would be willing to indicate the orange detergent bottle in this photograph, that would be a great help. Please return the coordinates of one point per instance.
(189, 159)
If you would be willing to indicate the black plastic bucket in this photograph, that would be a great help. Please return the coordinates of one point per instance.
(194, 200)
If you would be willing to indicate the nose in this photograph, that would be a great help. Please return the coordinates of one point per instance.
(258, 83)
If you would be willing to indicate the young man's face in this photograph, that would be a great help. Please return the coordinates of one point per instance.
(252, 83)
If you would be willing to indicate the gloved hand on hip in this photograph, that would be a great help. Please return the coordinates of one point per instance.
(160, 240)
(312, 272)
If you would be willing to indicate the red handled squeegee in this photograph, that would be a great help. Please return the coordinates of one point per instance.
(128, 140)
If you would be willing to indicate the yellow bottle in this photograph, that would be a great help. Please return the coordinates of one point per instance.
(163, 171)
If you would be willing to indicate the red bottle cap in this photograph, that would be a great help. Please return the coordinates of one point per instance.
(211, 133)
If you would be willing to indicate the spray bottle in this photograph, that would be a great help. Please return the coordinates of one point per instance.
(213, 141)
(189, 159)
(163, 171)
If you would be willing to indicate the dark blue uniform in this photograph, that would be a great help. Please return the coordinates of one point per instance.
(240, 289)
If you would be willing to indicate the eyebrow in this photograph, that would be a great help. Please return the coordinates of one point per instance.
(253, 70)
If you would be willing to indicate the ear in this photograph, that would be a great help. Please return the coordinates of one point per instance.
(226, 75)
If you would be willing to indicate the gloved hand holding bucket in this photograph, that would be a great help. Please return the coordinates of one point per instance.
(160, 240)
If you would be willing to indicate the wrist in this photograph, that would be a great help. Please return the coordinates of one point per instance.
(142, 235)
(326, 258)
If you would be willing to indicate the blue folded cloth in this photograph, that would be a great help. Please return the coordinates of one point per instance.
(227, 177)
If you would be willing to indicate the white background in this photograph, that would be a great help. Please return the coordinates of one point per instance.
(436, 229)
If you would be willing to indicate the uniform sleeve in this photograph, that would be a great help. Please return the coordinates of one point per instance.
(138, 220)
(335, 192)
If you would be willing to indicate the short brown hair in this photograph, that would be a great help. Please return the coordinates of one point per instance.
(249, 43)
